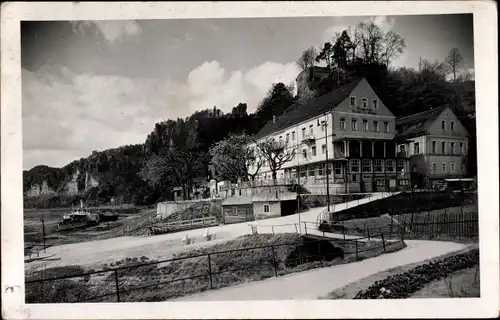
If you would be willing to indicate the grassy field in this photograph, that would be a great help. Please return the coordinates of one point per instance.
(450, 223)
(407, 202)
(192, 271)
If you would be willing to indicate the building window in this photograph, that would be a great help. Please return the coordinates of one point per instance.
(304, 154)
(342, 123)
(452, 126)
(434, 147)
(353, 178)
(323, 149)
(320, 170)
(378, 164)
(287, 137)
(380, 183)
(353, 101)
(303, 172)
(389, 165)
(366, 165)
(281, 138)
(311, 129)
(452, 167)
(416, 148)
(400, 165)
(434, 168)
(323, 125)
(329, 168)
(365, 102)
(365, 125)
(293, 135)
(452, 147)
(311, 171)
(313, 150)
(443, 167)
(354, 165)
(462, 148)
(354, 125)
(386, 127)
(375, 103)
(443, 147)
(303, 132)
(375, 126)
(338, 168)
(266, 208)
(443, 125)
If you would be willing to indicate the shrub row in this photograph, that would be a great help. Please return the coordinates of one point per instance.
(404, 284)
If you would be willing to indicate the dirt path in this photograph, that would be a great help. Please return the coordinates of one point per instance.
(317, 283)
(95, 253)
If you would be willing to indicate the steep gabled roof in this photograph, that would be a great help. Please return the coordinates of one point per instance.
(313, 108)
(417, 124)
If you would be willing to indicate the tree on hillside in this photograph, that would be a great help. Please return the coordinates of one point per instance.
(307, 58)
(240, 110)
(325, 55)
(341, 49)
(175, 166)
(233, 158)
(276, 154)
(393, 46)
(277, 100)
(453, 62)
(371, 41)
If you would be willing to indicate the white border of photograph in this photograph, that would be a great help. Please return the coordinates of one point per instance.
(486, 76)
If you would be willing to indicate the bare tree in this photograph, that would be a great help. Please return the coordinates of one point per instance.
(465, 75)
(307, 58)
(453, 62)
(393, 46)
(369, 38)
(276, 154)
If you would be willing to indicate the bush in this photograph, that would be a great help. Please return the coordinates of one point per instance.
(404, 284)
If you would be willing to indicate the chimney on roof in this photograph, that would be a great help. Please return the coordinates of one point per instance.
(274, 119)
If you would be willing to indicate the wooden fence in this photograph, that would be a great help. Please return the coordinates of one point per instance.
(183, 225)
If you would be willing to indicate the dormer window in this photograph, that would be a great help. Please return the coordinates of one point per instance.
(443, 125)
(365, 102)
(375, 103)
(353, 101)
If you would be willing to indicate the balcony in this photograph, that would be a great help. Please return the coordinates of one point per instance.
(309, 138)
(402, 154)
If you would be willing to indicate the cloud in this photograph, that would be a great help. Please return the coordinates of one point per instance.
(68, 115)
(112, 31)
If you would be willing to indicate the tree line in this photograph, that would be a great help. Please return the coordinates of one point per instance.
(185, 151)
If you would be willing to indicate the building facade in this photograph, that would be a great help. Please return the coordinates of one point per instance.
(345, 138)
(437, 143)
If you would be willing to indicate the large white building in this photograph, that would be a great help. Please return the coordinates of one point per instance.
(347, 134)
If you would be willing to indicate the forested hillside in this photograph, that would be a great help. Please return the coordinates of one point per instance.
(177, 151)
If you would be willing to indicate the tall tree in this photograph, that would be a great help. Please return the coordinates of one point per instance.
(233, 158)
(326, 55)
(341, 48)
(393, 46)
(307, 58)
(454, 61)
(278, 99)
(370, 38)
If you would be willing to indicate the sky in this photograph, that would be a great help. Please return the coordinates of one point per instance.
(94, 85)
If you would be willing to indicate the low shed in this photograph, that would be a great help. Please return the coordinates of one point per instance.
(237, 209)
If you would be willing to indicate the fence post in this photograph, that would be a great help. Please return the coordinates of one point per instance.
(274, 262)
(296, 231)
(272, 228)
(382, 236)
(368, 231)
(210, 271)
(305, 227)
(402, 232)
(343, 229)
(357, 254)
(117, 286)
(411, 222)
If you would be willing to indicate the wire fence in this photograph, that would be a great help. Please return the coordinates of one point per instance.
(161, 280)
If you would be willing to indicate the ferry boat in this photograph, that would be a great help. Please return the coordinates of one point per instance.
(79, 218)
(108, 216)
